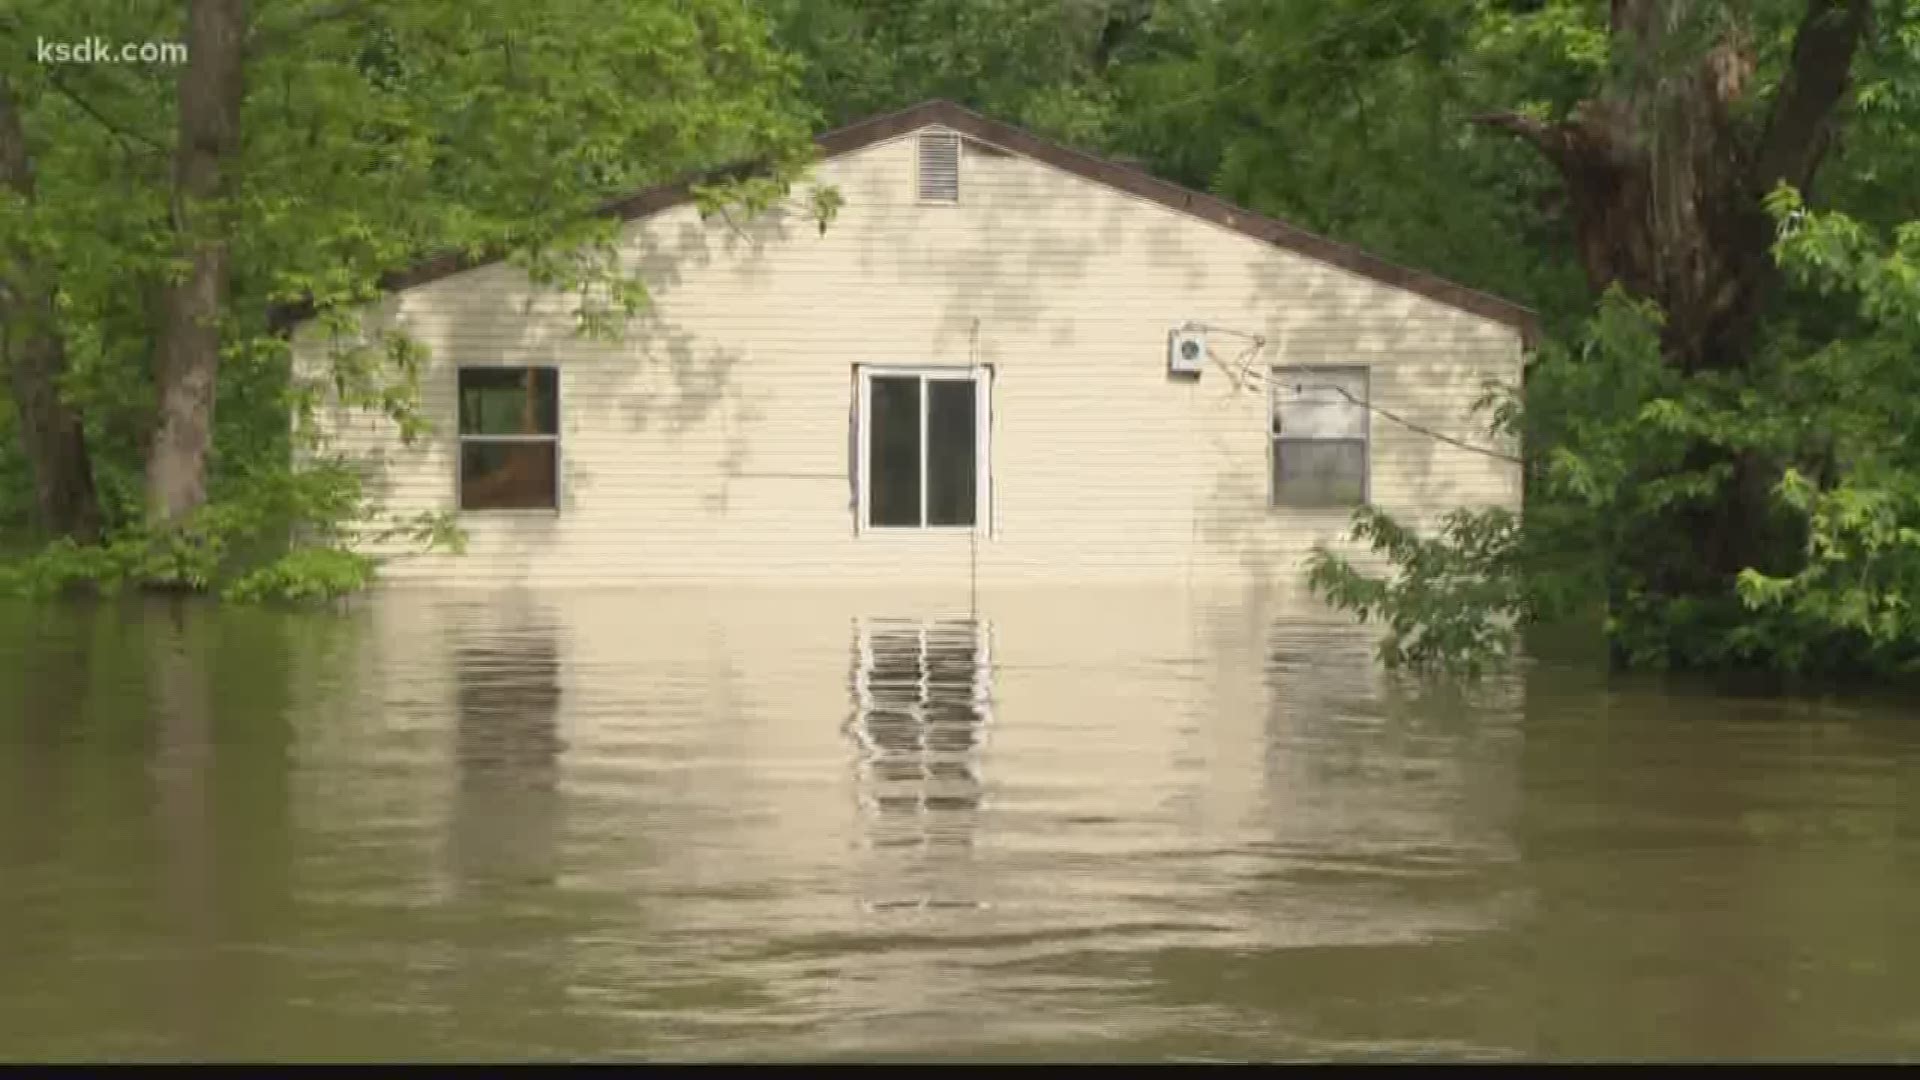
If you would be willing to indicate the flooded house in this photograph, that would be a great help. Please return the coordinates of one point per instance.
(1002, 362)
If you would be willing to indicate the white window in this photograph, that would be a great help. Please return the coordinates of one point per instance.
(922, 445)
(1320, 436)
(939, 167)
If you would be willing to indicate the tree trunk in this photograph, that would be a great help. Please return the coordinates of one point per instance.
(51, 435)
(188, 355)
(1664, 183)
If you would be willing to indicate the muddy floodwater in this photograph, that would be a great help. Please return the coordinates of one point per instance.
(1098, 824)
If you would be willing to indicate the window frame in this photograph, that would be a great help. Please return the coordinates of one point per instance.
(461, 439)
(1280, 376)
(982, 378)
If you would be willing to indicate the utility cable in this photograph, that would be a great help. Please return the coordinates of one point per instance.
(1242, 369)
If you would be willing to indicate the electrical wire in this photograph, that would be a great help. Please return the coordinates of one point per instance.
(1402, 421)
(1242, 370)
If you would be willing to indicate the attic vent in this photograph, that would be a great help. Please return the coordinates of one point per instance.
(940, 167)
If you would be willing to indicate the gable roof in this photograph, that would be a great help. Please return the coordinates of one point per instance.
(1113, 174)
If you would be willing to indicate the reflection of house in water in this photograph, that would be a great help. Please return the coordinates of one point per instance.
(922, 699)
(507, 748)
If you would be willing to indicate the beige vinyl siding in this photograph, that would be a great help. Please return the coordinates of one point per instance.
(712, 442)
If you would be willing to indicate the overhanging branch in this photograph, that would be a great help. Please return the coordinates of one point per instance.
(1798, 130)
(125, 134)
(1550, 139)
(16, 167)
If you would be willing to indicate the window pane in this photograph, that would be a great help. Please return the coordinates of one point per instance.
(1314, 473)
(509, 401)
(1314, 404)
(509, 475)
(950, 451)
(893, 432)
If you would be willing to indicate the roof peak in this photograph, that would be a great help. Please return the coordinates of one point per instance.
(1122, 176)
(1136, 180)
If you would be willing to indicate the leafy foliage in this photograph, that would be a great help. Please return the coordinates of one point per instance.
(1041, 63)
(1862, 574)
(1614, 430)
(1455, 602)
(1458, 598)
(374, 136)
(283, 534)
(1348, 117)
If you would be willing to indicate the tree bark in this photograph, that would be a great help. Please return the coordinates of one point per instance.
(52, 437)
(187, 359)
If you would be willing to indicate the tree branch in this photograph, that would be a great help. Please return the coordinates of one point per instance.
(33, 358)
(16, 167)
(1122, 22)
(267, 39)
(1638, 21)
(125, 134)
(1798, 129)
(1550, 139)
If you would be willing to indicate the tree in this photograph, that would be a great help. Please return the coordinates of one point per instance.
(51, 436)
(308, 151)
(1041, 63)
(187, 361)
(1665, 170)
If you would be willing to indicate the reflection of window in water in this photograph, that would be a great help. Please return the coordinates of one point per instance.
(922, 700)
(508, 752)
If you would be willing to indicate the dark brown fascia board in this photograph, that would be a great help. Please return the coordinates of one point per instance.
(1113, 174)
